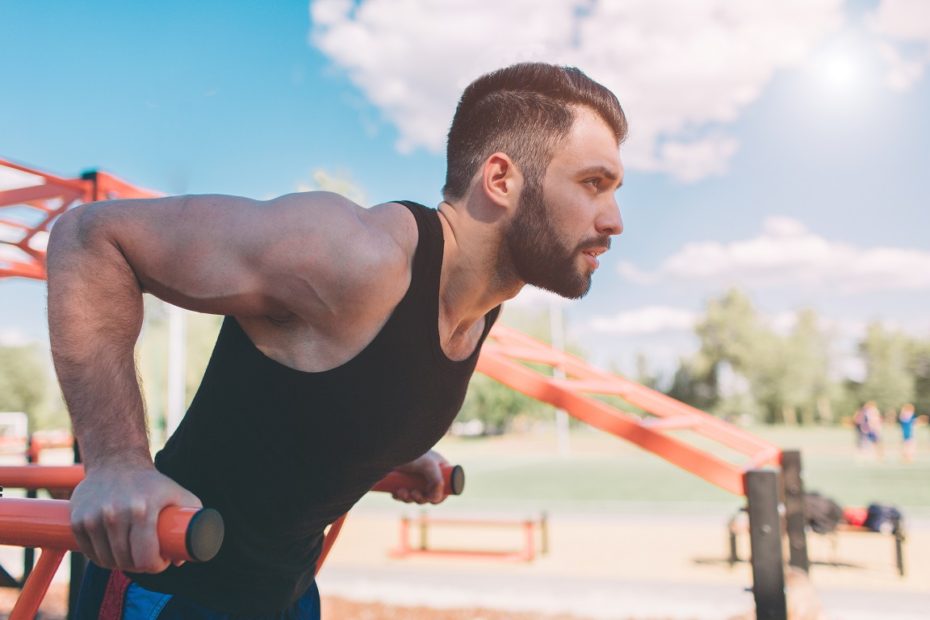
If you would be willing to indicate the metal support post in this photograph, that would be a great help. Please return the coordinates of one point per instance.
(795, 519)
(768, 576)
(78, 563)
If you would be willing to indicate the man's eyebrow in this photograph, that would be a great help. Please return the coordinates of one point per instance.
(604, 171)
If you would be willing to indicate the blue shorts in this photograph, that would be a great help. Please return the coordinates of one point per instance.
(141, 604)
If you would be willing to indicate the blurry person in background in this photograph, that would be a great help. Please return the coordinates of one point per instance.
(907, 418)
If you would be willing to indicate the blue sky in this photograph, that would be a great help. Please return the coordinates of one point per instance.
(780, 147)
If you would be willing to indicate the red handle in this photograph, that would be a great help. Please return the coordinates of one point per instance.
(453, 477)
(68, 477)
(183, 533)
(41, 476)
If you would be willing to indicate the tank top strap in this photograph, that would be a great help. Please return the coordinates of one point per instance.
(427, 260)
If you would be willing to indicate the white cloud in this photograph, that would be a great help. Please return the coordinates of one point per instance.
(647, 320)
(904, 29)
(13, 338)
(681, 69)
(786, 253)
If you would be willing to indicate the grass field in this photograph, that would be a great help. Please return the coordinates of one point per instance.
(606, 473)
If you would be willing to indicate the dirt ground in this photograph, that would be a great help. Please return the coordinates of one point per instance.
(648, 555)
(334, 608)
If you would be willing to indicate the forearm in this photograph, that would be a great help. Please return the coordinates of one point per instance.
(95, 314)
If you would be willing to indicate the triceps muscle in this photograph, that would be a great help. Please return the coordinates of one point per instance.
(95, 315)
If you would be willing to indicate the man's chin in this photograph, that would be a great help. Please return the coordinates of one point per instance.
(575, 290)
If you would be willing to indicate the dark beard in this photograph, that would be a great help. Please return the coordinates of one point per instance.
(536, 254)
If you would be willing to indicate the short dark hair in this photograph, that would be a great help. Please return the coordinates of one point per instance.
(523, 110)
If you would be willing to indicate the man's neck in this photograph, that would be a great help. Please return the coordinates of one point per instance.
(471, 284)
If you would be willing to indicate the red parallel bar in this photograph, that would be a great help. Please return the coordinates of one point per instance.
(475, 522)
(514, 344)
(41, 476)
(601, 415)
(37, 192)
(189, 534)
(68, 477)
(453, 477)
(49, 178)
(453, 484)
(184, 533)
(18, 269)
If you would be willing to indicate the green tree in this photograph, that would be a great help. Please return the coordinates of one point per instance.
(889, 379)
(496, 405)
(27, 384)
(784, 375)
(800, 376)
(919, 367)
(201, 332)
(695, 382)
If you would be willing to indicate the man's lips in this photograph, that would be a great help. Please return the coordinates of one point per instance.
(591, 255)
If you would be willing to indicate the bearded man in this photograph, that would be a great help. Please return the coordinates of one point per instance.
(349, 339)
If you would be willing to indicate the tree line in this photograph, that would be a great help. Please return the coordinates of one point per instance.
(743, 367)
(743, 370)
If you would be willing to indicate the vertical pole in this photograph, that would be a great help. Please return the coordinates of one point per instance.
(899, 546)
(530, 552)
(795, 519)
(557, 333)
(176, 368)
(29, 553)
(423, 526)
(404, 536)
(78, 563)
(734, 552)
(768, 576)
(544, 533)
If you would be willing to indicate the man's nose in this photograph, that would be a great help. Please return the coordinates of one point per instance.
(610, 221)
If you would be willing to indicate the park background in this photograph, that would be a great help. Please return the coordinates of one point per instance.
(774, 271)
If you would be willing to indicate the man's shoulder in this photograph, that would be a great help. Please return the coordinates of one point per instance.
(387, 227)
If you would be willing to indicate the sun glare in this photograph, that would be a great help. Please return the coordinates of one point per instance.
(838, 69)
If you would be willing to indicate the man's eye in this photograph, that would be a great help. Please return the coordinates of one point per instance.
(596, 183)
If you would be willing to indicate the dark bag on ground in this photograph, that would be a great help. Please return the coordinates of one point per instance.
(822, 513)
(882, 518)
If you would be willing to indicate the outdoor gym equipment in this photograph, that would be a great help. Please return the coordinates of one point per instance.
(188, 534)
(753, 468)
(528, 527)
(184, 534)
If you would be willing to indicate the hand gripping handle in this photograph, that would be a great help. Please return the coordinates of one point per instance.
(453, 477)
(188, 534)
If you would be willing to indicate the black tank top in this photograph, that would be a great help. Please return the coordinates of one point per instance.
(283, 453)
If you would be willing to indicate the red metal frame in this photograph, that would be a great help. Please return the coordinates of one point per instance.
(504, 358)
(46, 196)
(32, 523)
(526, 554)
(47, 524)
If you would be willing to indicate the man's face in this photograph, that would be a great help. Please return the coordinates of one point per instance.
(564, 223)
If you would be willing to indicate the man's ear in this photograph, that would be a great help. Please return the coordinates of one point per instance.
(501, 180)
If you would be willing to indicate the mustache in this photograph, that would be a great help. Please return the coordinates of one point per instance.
(597, 242)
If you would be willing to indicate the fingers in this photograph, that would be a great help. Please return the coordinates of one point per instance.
(114, 517)
(91, 534)
(435, 485)
(117, 522)
(143, 537)
(410, 496)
